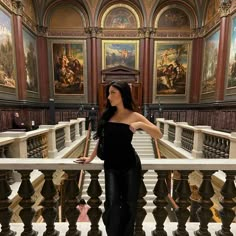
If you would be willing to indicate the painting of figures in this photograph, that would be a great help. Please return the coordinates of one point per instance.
(210, 63)
(68, 61)
(6, 52)
(30, 53)
(232, 58)
(117, 52)
(170, 68)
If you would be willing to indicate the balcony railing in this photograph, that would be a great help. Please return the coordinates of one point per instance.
(162, 167)
(196, 141)
(42, 154)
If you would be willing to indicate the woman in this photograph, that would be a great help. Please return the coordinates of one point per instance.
(122, 165)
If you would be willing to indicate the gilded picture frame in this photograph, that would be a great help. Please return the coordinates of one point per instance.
(231, 66)
(210, 59)
(120, 52)
(31, 61)
(171, 65)
(7, 59)
(69, 67)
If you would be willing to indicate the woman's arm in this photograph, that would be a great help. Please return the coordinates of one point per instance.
(91, 157)
(142, 123)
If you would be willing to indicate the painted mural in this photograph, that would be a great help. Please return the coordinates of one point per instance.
(118, 52)
(173, 18)
(68, 61)
(212, 10)
(6, 52)
(210, 63)
(171, 66)
(120, 17)
(231, 76)
(30, 53)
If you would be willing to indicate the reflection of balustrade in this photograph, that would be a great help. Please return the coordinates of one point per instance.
(161, 167)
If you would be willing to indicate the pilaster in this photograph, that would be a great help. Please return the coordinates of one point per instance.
(19, 49)
(43, 63)
(93, 33)
(223, 44)
(145, 34)
(196, 67)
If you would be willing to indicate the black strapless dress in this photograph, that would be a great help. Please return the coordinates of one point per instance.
(118, 150)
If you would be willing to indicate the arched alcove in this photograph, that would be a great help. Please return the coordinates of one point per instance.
(120, 16)
(173, 17)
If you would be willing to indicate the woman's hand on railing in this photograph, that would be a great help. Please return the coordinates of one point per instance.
(84, 160)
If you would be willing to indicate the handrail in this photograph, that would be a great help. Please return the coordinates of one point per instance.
(85, 153)
(157, 149)
(86, 147)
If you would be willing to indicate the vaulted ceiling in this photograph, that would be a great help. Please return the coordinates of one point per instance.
(146, 7)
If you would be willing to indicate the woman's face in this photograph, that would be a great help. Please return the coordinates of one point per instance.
(114, 96)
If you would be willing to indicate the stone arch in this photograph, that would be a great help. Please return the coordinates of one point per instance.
(176, 15)
(121, 16)
(65, 15)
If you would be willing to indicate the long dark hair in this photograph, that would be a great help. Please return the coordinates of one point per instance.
(110, 110)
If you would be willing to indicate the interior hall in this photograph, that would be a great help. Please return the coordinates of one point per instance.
(57, 58)
(178, 56)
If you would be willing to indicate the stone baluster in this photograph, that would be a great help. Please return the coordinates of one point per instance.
(71, 202)
(214, 144)
(141, 212)
(227, 213)
(49, 203)
(222, 148)
(205, 146)
(5, 211)
(227, 149)
(218, 148)
(210, 146)
(160, 212)
(25, 191)
(183, 201)
(94, 213)
(204, 213)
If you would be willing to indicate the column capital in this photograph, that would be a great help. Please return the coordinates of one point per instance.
(225, 7)
(18, 7)
(93, 31)
(146, 32)
(197, 32)
(42, 30)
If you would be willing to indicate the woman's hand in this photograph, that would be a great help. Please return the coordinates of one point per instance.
(85, 160)
(134, 126)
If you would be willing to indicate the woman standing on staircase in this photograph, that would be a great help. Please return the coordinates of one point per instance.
(121, 163)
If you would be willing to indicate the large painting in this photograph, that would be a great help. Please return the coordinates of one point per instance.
(30, 52)
(6, 52)
(210, 63)
(170, 68)
(120, 52)
(68, 62)
(231, 77)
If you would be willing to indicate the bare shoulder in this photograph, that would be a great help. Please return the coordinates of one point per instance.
(138, 117)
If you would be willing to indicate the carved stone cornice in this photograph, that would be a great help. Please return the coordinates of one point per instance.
(146, 32)
(17, 7)
(41, 30)
(225, 6)
(197, 32)
(93, 31)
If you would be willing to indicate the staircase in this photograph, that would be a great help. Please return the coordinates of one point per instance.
(143, 145)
